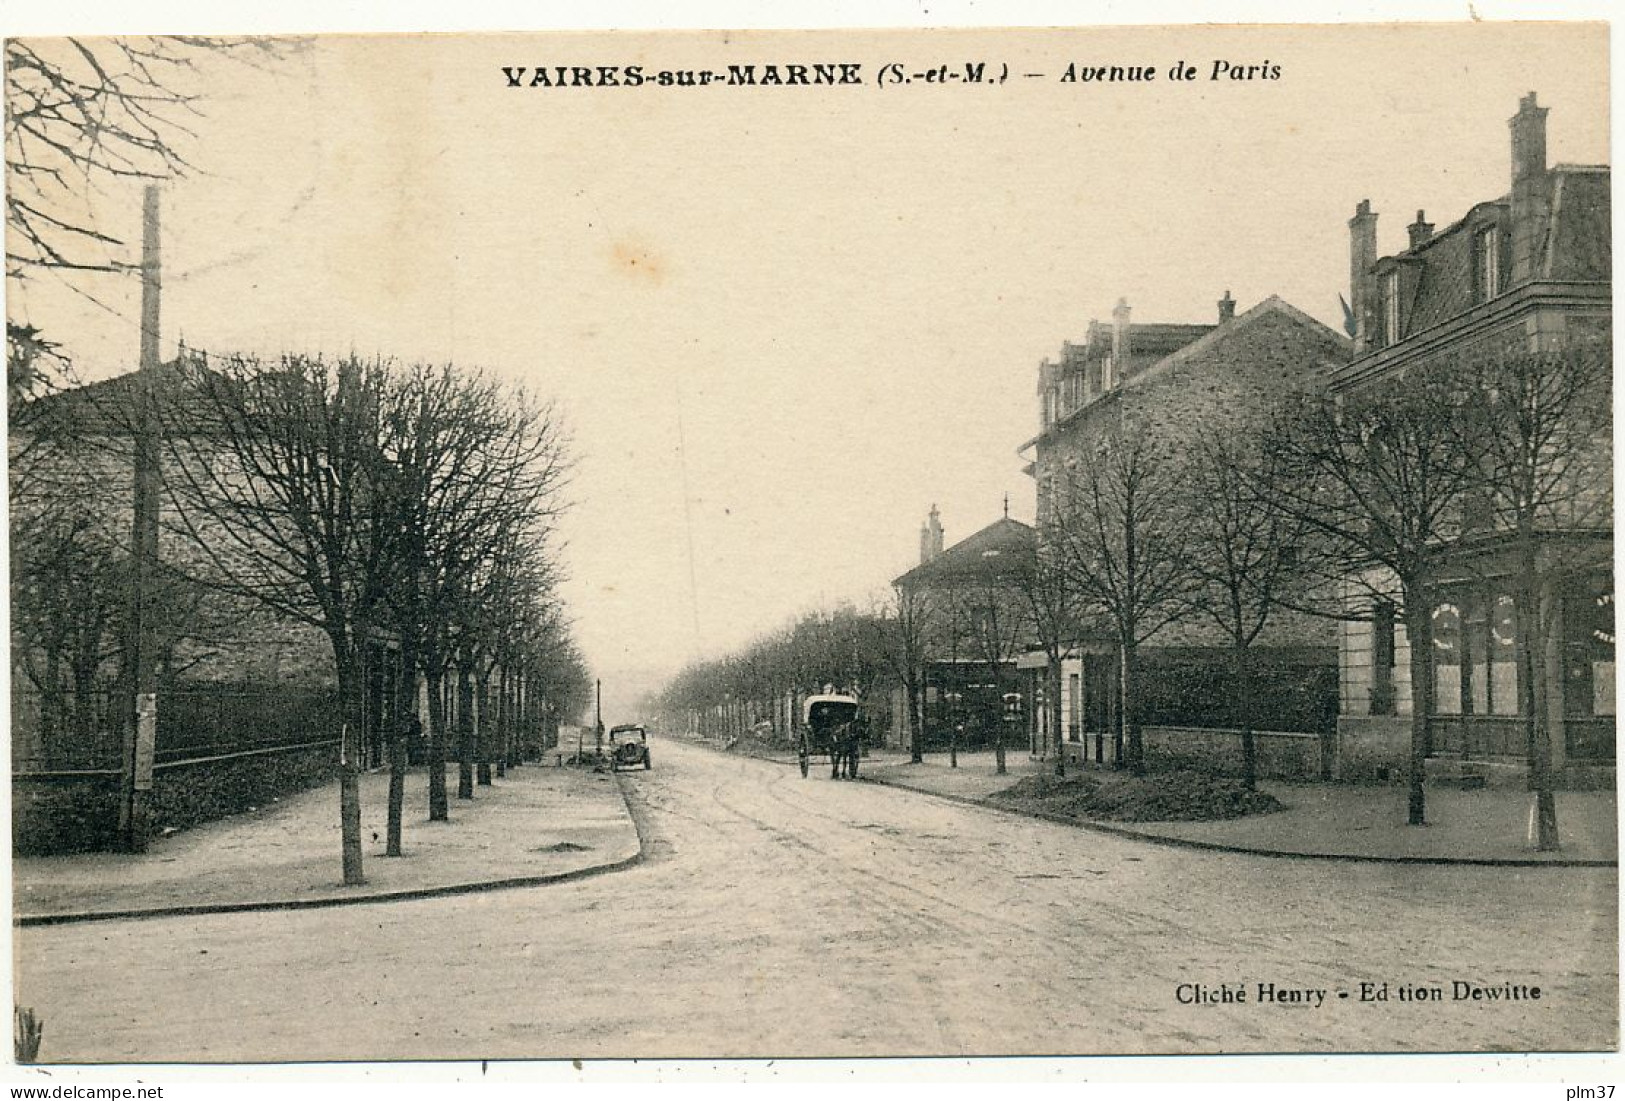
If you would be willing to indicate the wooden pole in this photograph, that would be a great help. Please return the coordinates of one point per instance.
(141, 658)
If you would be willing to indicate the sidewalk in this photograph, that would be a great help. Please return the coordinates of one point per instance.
(1340, 821)
(536, 825)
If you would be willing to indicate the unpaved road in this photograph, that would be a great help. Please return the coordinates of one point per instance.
(782, 916)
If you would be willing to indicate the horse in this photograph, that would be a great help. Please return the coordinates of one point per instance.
(844, 742)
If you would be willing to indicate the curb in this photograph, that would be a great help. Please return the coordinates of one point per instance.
(1212, 846)
(405, 895)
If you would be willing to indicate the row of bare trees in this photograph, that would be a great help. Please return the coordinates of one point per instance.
(381, 504)
(366, 499)
(833, 648)
(864, 651)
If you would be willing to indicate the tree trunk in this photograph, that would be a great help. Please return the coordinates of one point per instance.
(465, 731)
(484, 734)
(916, 723)
(400, 747)
(1537, 728)
(1244, 714)
(1419, 635)
(405, 705)
(349, 769)
(397, 792)
(516, 719)
(501, 720)
(1131, 709)
(1001, 723)
(1057, 713)
(439, 809)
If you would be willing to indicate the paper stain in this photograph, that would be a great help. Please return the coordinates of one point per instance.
(636, 260)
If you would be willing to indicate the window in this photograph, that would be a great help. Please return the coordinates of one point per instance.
(1447, 696)
(1503, 660)
(1075, 696)
(1588, 630)
(1487, 259)
(1475, 667)
(1390, 308)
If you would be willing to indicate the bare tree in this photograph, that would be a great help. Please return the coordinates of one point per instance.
(903, 634)
(1119, 532)
(995, 614)
(471, 469)
(86, 114)
(275, 485)
(1381, 475)
(1055, 613)
(1250, 556)
(1537, 434)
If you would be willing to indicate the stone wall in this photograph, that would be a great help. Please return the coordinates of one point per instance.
(1281, 755)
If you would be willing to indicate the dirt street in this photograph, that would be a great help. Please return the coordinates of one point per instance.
(782, 916)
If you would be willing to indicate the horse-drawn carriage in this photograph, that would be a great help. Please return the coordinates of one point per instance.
(834, 725)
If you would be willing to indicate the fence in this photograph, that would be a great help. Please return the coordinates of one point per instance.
(82, 732)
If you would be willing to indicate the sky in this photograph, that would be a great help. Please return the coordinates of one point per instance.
(782, 323)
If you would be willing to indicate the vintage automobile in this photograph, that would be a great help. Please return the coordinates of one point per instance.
(628, 746)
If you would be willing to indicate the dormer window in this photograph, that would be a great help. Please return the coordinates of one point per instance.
(1487, 261)
(1390, 308)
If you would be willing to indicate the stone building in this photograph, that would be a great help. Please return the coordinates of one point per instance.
(1531, 269)
(1165, 382)
(978, 627)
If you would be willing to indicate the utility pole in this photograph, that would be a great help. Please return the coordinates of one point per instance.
(598, 714)
(141, 641)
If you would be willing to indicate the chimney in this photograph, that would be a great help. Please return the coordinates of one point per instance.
(1121, 349)
(1528, 139)
(1227, 307)
(1531, 189)
(930, 537)
(1421, 231)
(1362, 254)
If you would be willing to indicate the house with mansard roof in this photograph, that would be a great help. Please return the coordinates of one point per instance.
(1528, 269)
